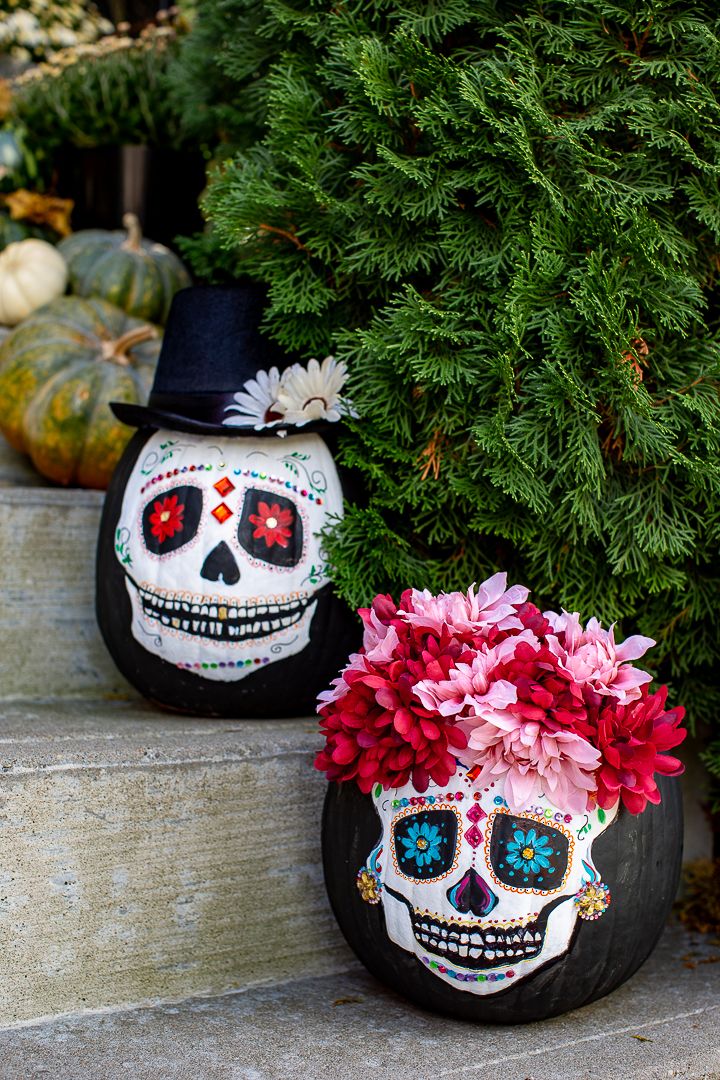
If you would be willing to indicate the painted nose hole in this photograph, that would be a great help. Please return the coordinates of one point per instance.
(220, 563)
(472, 896)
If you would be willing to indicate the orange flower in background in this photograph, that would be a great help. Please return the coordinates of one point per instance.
(167, 518)
(273, 525)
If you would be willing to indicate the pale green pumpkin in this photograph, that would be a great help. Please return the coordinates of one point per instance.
(136, 274)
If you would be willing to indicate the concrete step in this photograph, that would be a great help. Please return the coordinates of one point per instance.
(49, 641)
(147, 856)
(663, 1023)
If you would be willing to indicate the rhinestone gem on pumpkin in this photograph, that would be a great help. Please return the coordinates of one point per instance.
(473, 836)
(222, 512)
(224, 487)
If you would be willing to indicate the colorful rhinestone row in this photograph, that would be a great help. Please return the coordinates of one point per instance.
(255, 474)
(177, 472)
(467, 976)
(424, 800)
(223, 663)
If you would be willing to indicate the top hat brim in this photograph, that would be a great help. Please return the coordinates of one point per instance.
(138, 416)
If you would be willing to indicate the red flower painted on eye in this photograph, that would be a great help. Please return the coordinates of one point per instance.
(273, 524)
(167, 518)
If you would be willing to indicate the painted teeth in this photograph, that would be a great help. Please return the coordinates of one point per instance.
(215, 618)
(475, 946)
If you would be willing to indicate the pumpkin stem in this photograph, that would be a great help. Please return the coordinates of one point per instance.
(134, 232)
(117, 351)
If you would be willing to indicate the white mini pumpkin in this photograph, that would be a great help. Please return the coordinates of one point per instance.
(32, 273)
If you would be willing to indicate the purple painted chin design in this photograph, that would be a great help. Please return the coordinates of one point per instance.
(472, 896)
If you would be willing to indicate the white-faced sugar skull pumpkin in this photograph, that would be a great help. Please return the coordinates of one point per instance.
(495, 843)
(471, 910)
(213, 590)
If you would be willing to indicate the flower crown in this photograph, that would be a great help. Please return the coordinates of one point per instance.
(297, 396)
(489, 681)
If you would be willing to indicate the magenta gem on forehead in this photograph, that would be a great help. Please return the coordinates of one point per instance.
(473, 836)
(476, 813)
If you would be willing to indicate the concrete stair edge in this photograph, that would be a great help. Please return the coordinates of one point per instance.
(143, 862)
(661, 1023)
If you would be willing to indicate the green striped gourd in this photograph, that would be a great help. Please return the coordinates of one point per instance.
(136, 274)
(58, 372)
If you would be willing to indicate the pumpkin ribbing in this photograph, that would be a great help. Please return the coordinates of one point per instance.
(134, 273)
(58, 371)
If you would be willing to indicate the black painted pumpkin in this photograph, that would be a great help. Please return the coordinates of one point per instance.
(212, 588)
(134, 273)
(481, 931)
(213, 593)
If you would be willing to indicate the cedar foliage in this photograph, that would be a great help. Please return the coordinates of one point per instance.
(505, 216)
(218, 86)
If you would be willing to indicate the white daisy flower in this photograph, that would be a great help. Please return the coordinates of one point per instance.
(313, 393)
(257, 403)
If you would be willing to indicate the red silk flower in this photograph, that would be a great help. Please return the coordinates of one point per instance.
(273, 525)
(167, 518)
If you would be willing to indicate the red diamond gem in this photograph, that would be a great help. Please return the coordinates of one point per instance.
(476, 813)
(224, 487)
(222, 513)
(474, 836)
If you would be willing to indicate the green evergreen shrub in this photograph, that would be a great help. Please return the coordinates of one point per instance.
(217, 80)
(219, 87)
(506, 218)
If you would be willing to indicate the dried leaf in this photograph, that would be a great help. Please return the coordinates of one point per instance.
(40, 209)
(5, 98)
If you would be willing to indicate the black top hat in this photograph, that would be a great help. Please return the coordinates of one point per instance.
(212, 345)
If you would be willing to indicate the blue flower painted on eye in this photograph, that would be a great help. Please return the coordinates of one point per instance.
(422, 843)
(528, 851)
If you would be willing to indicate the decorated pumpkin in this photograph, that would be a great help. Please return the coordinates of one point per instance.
(502, 836)
(58, 372)
(136, 274)
(32, 273)
(213, 593)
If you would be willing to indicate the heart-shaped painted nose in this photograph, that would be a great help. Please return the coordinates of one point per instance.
(220, 563)
(472, 896)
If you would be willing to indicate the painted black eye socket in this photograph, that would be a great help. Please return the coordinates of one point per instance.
(527, 855)
(270, 528)
(425, 843)
(171, 520)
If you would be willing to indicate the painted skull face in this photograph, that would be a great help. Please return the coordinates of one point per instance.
(481, 895)
(218, 540)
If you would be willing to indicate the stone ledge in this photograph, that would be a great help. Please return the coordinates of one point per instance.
(87, 734)
(146, 856)
(49, 640)
(665, 1022)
